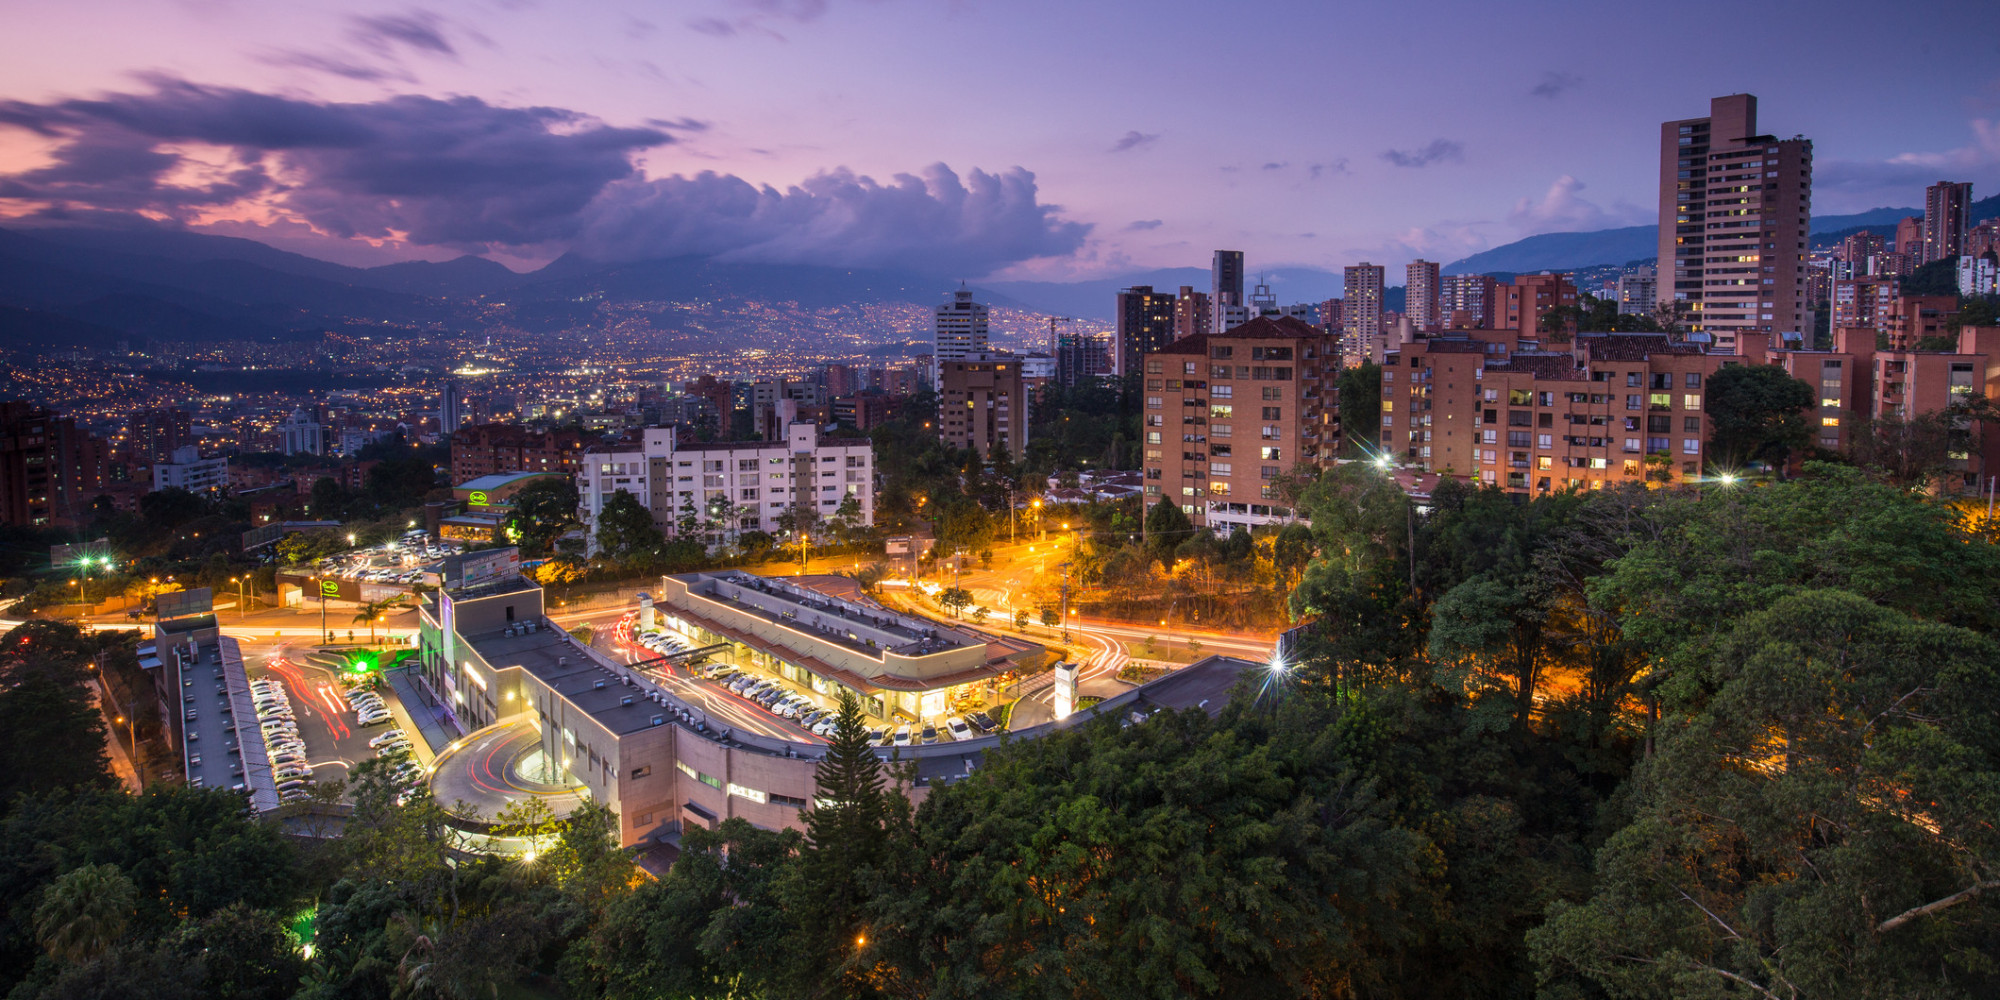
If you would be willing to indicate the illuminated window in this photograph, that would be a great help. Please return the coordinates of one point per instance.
(1829, 421)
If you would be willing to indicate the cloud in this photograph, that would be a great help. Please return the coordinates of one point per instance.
(934, 222)
(456, 172)
(1133, 140)
(1853, 184)
(758, 16)
(1273, 166)
(336, 64)
(1554, 84)
(1338, 166)
(418, 171)
(1439, 151)
(418, 29)
(1142, 225)
(1562, 208)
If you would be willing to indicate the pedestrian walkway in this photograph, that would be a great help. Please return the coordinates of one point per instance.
(415, 715)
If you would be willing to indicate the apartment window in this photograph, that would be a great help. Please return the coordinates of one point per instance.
(1660, 400)
(1173, 385)
(1188, 368)
(1691, 425)
(746, 465)
(640, 772)
(1273, 413)
(1223, 392)
(1155, 420)
(1635, 402)
(1690, 446)
(1691, 401)
(1632, 380)
(1152, 402)
(1221, 352)
(746, 495)
(1829, 421)
(1520, 397)
(1544, 441)
(1221, 411)
(1271, 454)
(1274, 392)
(1272, 432)
(1153, 368)
(1221, 469)
(1152, 437)
(1693, 380)
(1220, 450)
(1544, 463)
(1269, 472)
(1219, 489)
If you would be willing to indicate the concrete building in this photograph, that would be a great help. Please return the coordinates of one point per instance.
(735, 486)
(983, 405)
(1913, 319)
(1422, 296)
(1267, 387)
(661, 765)
(1861, 302)
(1858, 247)
(299, 434)
(1910, 237)
(187, 470)
(153, 434)
(1979, 276)
(960, 329)
(1983, 239)
(1611, 408)
(1945, 206)
(451, 407)
(1192, 313)
(1361, 313)
(1639, 291)
(1521, 304)
(1145, 324)
(1465, 301)
(207, 713)
(1735, 212)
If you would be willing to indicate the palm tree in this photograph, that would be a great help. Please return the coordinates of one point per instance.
(84, 911)
(374, 612)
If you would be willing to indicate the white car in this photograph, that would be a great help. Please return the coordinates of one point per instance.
(902, 738)
(957, 728)
(389, 737)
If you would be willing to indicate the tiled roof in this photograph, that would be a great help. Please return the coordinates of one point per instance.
(1631, 346)
(1447, 345)
(1554, 367)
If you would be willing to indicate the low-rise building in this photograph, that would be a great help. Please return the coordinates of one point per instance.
(187, 470)
(983, 404)
(729, 486)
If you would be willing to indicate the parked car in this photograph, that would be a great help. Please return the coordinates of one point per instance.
(389, 737)
(902, 737)
(957, 728)
(878, 735)
(930, 733)
(981, 722)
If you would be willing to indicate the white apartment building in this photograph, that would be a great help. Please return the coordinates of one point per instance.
(191, 472)
(742, 485)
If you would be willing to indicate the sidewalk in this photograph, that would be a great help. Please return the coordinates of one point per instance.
(121, 761)
(415, 715)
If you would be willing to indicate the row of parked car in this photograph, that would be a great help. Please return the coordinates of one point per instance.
(778, 699)
(369, 709)
(955, 728)
(663, 643)
(282, 743)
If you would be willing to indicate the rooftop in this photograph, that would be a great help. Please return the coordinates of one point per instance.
(841, 622)
(504, 479)
(1261, 328)
(555, 659)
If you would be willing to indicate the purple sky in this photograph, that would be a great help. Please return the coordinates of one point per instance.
(1076, 139)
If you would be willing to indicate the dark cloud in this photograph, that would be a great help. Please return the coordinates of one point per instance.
(468, 175)
(456, 172)
(1554, 84)
(713, 26)
(1142, 225)
(1273, 166)
(418, 29)
(679, 124)
(757, 17)
(1338, 166)
(337, 65)
(1133, 140)
(1439, 151)
(935, 223)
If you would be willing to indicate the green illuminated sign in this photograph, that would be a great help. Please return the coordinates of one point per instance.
(478, 497)
(329, 588)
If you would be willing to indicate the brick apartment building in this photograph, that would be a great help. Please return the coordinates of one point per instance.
(1494, 407)
(50, 470)
(1266, 387)
(983, 404)
(490, 449)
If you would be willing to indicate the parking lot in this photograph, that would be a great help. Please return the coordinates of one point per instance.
(771, 704)
(316, 727)
(411, 559)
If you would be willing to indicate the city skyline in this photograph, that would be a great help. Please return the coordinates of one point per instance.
(622, 133)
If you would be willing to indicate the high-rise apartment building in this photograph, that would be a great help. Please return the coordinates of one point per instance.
(1861, 301)
(1228, 414)
(1857, 248)
(1638, 291)
(1081, 357)
(154, 434)
(1735, 208)
(50, 470)
(1465, 301)
(1522, 304)
(1225, 295)
(983, 405)
(1333, 315)
(961, 327)
(1361, 324)
(1982, 238)
(451, 407)
(1192, 313)
(1145, 324)
(1421, 296)
(1945, 206)
(1910, 237)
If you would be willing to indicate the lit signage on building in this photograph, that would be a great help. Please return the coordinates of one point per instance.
(478, 498)
(747, 793)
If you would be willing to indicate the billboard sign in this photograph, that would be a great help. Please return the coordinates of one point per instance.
(183, 603)
(477, 498)
(477, 569)
(1066, 689)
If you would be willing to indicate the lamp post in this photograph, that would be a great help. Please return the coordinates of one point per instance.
(804, 540)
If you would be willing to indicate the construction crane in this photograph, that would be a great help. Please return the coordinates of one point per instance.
(1053, 320)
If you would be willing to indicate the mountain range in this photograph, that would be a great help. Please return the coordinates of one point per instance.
(93, 287)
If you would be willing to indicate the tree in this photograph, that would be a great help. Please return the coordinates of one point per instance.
(84, 912)
(1167, 526)
(1360, 389)
(625, 527)
(374, 611)
(954, 599)
(542, 511)
(1820, 826)
(1757, 412)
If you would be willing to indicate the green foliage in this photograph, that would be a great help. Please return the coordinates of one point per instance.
(1167, 527)
(1757, 413)
(625, 527)
(1360, 395)
(1939, 277)
(542, 511)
